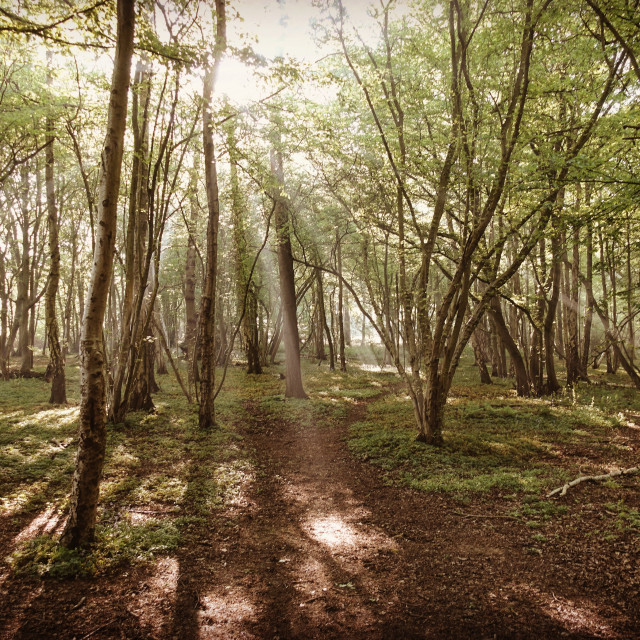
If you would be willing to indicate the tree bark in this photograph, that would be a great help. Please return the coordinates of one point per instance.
(55, 369)
(207, 329)
(191, 320)
(80, 527)
(341, 336)
(294, 387)
(523, 387)
(22, 301)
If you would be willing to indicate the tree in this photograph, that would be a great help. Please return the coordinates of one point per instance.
(207, 326)
(294, 387)
(80, 526)
(55, 370)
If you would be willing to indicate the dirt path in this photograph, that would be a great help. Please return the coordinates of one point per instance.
(326, 550)
(320, 547)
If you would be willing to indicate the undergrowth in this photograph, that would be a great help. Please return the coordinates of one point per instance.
(165, 480)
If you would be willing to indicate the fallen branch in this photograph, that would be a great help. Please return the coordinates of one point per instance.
(621, 472)
(150, 511)
(479, 515)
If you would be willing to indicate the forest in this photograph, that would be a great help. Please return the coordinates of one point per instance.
(318, 319)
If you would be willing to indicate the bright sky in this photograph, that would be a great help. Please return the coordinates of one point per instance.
(281, 28)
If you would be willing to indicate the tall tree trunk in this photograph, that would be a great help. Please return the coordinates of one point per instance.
(523, 386)
(55, 370)
(605, 299)
(347, 321)
(68, 308)
(246, 295)
(191, 320)
(207, 329)
(632, 340)
(293, 387)
(22, 301)
(588, 314)
(479, 352)
(4, 318)
(341, 338)
(552, 385)
(80, 526)
(323, 319)
(136, 238)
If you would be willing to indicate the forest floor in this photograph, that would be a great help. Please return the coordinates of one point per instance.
(322, 518)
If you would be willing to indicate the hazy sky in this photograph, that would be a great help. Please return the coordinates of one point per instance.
(282, 28)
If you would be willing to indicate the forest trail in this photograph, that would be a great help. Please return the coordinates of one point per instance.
(325, 549)
(317, 544)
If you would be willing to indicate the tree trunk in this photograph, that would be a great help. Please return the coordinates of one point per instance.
(477, 342)
(80, 526)
(294, 387)
(341, 338)
(207, 329)
(4, 317)
(191, 320)
(246, 295)
(55, 370)
(632, 339)
(136, 237)
(22, 301)
(552, 385)
(432, 415)
(323, 318)
(523, 387)
(605, 298)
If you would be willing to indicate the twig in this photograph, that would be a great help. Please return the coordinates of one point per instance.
(77, 606)
(480, 515)
(106, 624)
(167, 513)
(620, 472)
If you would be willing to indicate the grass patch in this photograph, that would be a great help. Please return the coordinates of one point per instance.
(114, 546)
(163, 478)
(627, 519)
(494, 441)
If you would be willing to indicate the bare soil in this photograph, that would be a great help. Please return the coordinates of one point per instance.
(321, 547)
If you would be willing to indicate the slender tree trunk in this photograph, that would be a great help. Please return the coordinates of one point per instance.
(22, 301)
(55, 370)
(246, 296)
(80, 526)
(341, 337)
(135, 244)
(294, 387)
(477, 342)
(588, 314)
(4, 318)
(632, 344)
(605, 298)
(347, 321)
(552, 384)
(323, 319)
(611, 262)
(523, 387)
(191, 320)
(68, 309)
(207, 329)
